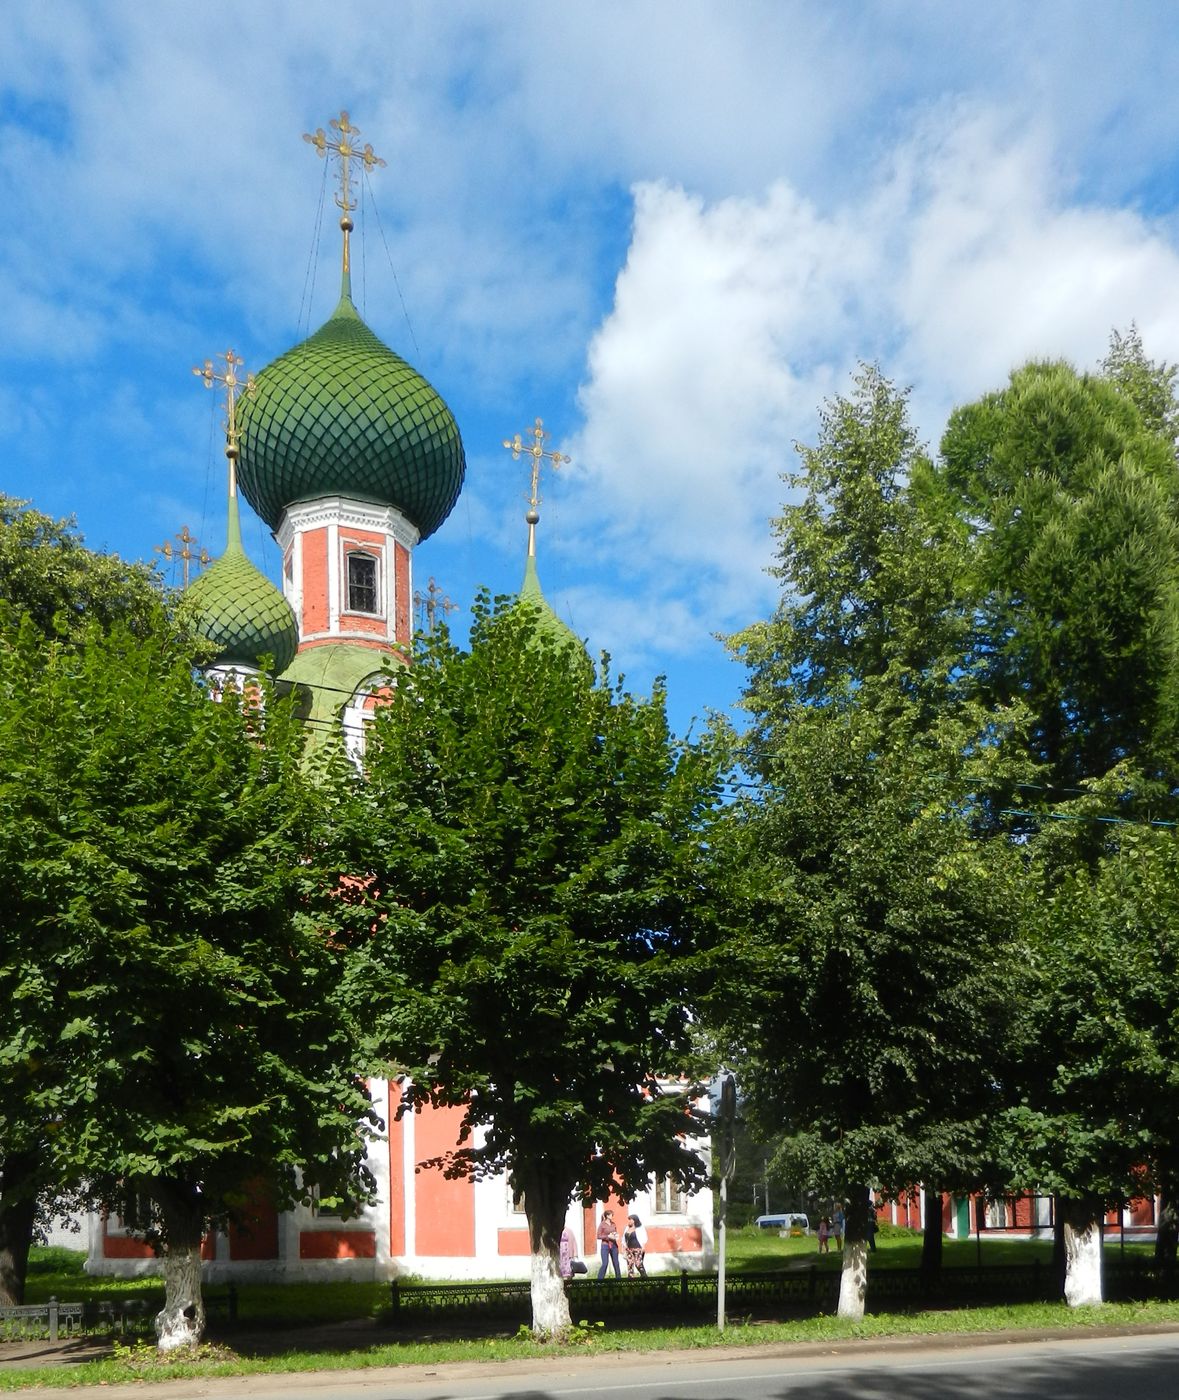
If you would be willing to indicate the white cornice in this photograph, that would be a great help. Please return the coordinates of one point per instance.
(347, 512)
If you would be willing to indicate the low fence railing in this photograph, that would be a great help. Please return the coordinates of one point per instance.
(801, 1290)
(54, 1320)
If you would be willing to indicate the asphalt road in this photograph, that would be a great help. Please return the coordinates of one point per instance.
(1140, 1367)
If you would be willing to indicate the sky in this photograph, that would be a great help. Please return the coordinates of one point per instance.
(669, 228)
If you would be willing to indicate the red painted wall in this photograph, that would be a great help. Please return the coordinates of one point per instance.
(445, 1210)
(337, 1244)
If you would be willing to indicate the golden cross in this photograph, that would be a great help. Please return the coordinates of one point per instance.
(186, 554)
(233, 384)
(430, 601)
(343, 146)
(516, 446)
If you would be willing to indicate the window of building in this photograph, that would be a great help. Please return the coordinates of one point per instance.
(362, 583)
(668, 1196)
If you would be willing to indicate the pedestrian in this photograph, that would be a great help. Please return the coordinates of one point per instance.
(824, 1234)
(837, 1227)
(608, 1243)
(634, 1240)
(870, 1231)
(566, 1252)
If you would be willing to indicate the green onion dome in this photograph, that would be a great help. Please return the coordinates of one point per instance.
(546, 621)
(238, 609)
(342, 415)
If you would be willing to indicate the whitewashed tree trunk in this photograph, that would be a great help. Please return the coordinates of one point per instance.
(545, 1203)
(853, 1281)
(550, 1305)
(1082, 1262)
(181, 1321)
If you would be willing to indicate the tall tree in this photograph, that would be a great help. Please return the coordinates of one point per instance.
(869, 1032)
(538, 882)
(172, 1033)
(48, 576)
(1067, 502)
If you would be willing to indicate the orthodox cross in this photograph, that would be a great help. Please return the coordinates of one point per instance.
(343, 146)
(430, 601)
(518, 448)
(234, 384)
(186, 552)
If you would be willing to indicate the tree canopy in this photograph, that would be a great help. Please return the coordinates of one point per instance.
(173, 1032)
(538, 887)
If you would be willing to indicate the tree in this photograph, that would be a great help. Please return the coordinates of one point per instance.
(173, 1036)
(536, 891)
(49, 576)
(1066, 501)
(868, 1034)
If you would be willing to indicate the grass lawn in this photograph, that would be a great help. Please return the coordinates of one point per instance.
(277, 1308)
(751, 1250)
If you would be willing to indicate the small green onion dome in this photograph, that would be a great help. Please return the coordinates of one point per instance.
(238, 609)
(547, 622)
(342, 415)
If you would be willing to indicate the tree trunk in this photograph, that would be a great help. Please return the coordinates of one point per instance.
(18, 1209)
(853, 1280)
(181, 1322)
(1166, 1239)
(1082, 1252)
(1058, 1254)
(546, 1201)
(931, 1238)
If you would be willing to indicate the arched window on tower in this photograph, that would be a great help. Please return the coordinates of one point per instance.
(362, 583)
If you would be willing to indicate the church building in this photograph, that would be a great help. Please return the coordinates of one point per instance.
(352, 459)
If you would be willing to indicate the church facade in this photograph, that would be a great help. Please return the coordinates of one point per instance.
(352, 459)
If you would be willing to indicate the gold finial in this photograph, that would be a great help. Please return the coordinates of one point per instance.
(343, 146)
(517, 447)
(429, 602)
(234, 384)
(185, 553)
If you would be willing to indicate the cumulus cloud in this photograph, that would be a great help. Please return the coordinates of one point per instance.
(733, 319)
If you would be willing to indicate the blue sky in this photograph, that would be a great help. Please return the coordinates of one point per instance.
(669, 228)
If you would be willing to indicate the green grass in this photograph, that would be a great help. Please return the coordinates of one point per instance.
(751, 1250)
(141, 1364)
(276, 1308)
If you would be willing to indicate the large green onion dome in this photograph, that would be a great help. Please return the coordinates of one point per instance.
(238, 609)
(342, 415)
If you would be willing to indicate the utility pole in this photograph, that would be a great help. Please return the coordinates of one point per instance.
(728, 1156)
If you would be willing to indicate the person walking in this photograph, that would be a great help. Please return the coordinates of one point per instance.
(824, 1234)
(608, 1243)
(634, 1240)
(837, 1227)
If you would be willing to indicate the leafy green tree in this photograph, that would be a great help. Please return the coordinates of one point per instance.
(49, 576)
(1066, 500)
(538, 888)
(1099, 1099)
(172, 1033)
(870, 1029)
(1149, 385)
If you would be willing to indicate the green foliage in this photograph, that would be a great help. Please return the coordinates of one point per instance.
(1067, 503)
(870, 1020)
(531, 927)
(172, 1029)
(48, 575)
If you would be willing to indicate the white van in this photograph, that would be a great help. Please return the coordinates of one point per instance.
(784, 1224)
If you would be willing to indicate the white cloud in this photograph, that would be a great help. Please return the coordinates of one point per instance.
(732, 319)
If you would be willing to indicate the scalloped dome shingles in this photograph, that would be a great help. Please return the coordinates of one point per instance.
(341, 415)
(241, 612)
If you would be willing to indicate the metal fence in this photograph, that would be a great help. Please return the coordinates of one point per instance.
(118, 1316)
(798, 1291)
